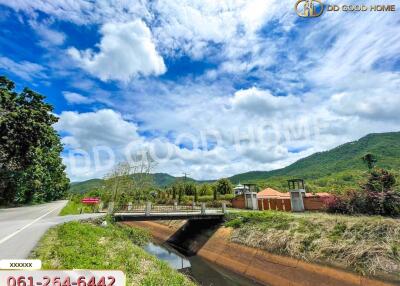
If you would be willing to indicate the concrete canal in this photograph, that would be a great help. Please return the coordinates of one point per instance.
(195, 267)
(204, 251)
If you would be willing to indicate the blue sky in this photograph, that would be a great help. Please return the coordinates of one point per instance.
(211, 88)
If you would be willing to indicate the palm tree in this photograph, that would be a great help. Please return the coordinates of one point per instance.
(370, 160)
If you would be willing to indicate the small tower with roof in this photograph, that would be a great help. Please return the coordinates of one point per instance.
(297, 193)
(250, 196)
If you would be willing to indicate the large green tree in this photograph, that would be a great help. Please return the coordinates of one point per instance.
(223, 186)
(30, 165)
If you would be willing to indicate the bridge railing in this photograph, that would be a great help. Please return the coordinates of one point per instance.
(148, 208)
(134, 208)
(178, 208)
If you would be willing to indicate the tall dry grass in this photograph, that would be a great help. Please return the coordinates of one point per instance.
(367, 245)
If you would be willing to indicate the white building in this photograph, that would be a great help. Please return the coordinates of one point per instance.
(239, 189)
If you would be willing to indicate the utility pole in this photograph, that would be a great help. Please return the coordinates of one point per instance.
(185, 176)
(182, 191)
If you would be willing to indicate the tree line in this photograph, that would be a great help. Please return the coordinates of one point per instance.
(132, 182)
(31, 169)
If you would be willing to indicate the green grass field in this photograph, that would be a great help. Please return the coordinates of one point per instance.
(86, 245)
(73, 208)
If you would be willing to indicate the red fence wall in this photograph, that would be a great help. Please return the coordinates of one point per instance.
(315, 203)
(310, 203)
(274, 204)
(238, 202)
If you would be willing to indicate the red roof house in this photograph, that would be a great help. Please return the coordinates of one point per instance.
(270, 193)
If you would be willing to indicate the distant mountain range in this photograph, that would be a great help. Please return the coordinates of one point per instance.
(340, 167)
(160, 180)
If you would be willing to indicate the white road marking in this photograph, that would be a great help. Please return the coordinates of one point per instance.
(26, 226)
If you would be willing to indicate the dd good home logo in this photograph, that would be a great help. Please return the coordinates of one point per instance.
(309, 8)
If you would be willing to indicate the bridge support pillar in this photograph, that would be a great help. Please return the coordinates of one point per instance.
(129, 207)
(203, 208)
(223, 208)
(110, 207)
(148, 208)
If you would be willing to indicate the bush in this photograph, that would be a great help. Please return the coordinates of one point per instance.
(235, 223)
(374, 203)
(205, 199)
(376, 197)
(391, 203)
(227, 197)
(218, 204)
(338, 204)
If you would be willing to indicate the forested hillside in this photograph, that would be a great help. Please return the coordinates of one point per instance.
(336, 169)
(159, 179)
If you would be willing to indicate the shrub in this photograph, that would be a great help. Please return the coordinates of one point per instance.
(205, 199)
(356, 201)
(374, 203)
(376, 197)
(391, 203)
(338, 204)
(235, 223)
(227, 197)
(218, 204)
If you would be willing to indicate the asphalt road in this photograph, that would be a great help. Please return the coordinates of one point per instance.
(21, 228)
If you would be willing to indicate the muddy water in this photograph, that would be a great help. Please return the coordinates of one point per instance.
(197, 268)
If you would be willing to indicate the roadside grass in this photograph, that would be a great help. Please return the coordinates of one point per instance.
(87, 245)
(73, 208)
(369, 245)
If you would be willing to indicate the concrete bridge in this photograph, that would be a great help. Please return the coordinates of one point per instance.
(145, 212)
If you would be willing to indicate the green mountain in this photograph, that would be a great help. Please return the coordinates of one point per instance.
(85, 186)
(159, 179)
(336, 169)
(333, 171)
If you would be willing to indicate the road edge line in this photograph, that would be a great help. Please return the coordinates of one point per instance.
(26, 226)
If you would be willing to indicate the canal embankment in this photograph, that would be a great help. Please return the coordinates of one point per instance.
(219, 248)
(96, 245)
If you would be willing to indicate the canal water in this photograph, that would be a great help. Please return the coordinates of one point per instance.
(201, 271)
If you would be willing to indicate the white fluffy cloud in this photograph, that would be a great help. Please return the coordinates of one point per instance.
(76, 98)
(95, 141)
(369, 105)
(191, 25)
(25, 69)
(48, 36)
(262, 102)
(104, 127)
(83, 11)
(126, 50)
